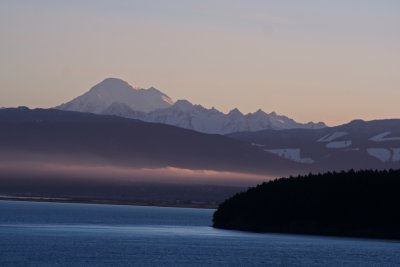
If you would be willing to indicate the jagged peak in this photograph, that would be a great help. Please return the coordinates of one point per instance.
(259, 112)
(183, 104)
(235, 111)
(155, 90)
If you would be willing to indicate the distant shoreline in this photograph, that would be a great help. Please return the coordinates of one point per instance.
(164, 204)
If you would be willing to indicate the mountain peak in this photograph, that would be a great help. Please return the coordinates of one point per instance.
(235, 112)
(183, 104)
(157, 93)
(260, 112)
(114, 90)
(113, 84)
(113, 80)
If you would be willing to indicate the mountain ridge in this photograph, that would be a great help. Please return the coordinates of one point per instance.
(357, 144)
(152, 105)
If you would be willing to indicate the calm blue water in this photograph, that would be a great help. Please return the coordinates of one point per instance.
(56, 234)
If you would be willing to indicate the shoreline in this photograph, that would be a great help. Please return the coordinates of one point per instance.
(163, 204)
(314, 234)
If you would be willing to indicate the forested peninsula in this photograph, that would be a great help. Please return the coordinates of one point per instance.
(352, 203)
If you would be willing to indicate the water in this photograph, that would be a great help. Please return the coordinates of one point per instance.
(59, 234)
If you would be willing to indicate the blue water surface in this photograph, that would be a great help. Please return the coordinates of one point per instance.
(62, 234)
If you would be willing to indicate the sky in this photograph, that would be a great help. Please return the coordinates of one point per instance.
(312, 60)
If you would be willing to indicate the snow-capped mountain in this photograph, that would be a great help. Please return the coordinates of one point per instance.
(113, 91)
(195, 117)
(116, 97)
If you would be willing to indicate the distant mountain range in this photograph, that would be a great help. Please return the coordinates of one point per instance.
(116, 97)
(358, 145)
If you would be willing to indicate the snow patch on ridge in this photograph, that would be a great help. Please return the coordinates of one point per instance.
(339, 144)
(385, 154)
(331, 137)
(396, 154)
(382, 154)
(257, 145)
(382, 137)
(291, 154)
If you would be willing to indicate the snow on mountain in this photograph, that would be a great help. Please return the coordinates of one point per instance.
(383, 137)
(396, 154)
(117, 97)
(111, 91)
(385, 154)
(235, 121)
(331, 137)
(123, 110)
(339, 144)
(382, 154)
(358, 145)
(196, 117)
(186, 115)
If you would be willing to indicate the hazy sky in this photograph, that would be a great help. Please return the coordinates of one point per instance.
(318, 60)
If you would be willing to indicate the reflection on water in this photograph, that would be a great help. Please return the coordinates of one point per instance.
(59, 234)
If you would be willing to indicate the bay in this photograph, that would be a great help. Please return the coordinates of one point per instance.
(71, 234)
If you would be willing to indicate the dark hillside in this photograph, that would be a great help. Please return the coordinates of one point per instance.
(133, 143)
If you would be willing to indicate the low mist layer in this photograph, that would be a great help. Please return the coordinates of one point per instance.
(120, 174)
